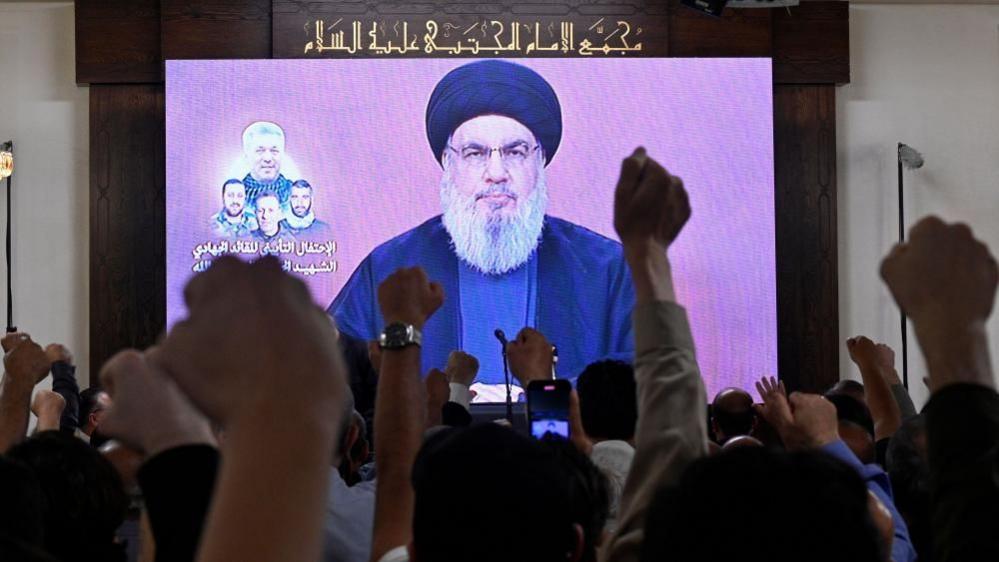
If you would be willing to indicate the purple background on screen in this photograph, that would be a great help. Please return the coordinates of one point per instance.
(355, 130)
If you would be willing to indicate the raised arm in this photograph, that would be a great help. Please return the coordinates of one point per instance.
(150, 415)
(808, 421)
(650, 209)
(25, 365)
(945, 281)
(885, 411)
(64, 383)
(258, 357)
(47, 407)
(886, 361)
(408, 298)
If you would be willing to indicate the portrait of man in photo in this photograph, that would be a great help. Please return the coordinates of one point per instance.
(301, 219)
(270, 219)
(234, 219)
(263, 151)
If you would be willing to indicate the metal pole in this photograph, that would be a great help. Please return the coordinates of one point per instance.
(10, 291)
(901, 238)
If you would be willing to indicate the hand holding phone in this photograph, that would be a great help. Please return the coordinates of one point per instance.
(548, 408)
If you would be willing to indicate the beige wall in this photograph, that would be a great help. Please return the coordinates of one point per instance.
(926, 75)
(46, 115)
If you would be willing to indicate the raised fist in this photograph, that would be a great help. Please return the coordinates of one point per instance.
(942, 278)
(409, 297)
(649, 203)
(863, 352)
(58, 352)
(254, 341)
(46, 400)
(47, 407)
(886, 357)
(815, 422)
(148, 412)
(530, 357)
(461, 368)
(25, 360)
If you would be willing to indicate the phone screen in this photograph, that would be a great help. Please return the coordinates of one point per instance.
(548, 408)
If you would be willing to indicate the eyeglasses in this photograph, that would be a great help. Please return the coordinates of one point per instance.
(476, 156)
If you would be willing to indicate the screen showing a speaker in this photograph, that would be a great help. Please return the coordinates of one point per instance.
(497, 177)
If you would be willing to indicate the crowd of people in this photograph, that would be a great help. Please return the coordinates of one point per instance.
(261, 439)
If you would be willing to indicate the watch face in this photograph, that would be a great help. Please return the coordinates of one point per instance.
(396, 335)
(396, 332)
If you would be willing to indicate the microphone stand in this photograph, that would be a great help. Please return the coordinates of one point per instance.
(501, 337)
(9, 147)
(506, 379)
(909, 158)
(901, 238)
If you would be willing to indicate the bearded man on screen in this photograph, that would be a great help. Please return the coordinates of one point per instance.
(503, 263)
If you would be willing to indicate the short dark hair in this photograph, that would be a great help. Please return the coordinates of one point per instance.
(608, 403)
(847, 385)
(849, 409)
(88, 403)
(20, 503)
(589, 491)
(818, 503)
(84, 500)
(231, 181)
(302, 183)
(524, 478)
(267, 193)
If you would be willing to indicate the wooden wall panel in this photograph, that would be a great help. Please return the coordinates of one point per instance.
(216, 29)
(118, 41)
(738, 33)
(127, 219)
(805, 212)
(812, 44)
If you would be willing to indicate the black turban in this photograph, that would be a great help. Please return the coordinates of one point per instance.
(494, 87)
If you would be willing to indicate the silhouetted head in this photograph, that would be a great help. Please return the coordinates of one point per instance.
(732, 414)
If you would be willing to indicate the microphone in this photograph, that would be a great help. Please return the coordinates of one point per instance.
(506, 375)
(501, 337)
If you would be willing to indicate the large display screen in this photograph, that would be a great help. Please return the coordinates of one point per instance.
(497, 177)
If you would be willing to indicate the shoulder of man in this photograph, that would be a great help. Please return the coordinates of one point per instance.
(430, 236)
(582, 243)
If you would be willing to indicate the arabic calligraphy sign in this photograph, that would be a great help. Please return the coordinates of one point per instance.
(332, 31)
(485, 37)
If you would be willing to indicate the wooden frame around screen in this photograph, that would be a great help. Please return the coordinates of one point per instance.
(121, 46)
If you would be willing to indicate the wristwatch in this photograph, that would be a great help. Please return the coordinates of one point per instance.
(398, 335)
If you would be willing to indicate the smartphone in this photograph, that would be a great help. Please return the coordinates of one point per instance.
(548, 408)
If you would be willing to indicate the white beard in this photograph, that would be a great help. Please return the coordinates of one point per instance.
(495, 244)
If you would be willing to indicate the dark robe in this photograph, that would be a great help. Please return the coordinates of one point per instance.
(584, 296)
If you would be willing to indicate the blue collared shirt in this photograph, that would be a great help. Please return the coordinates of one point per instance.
(878, 483)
